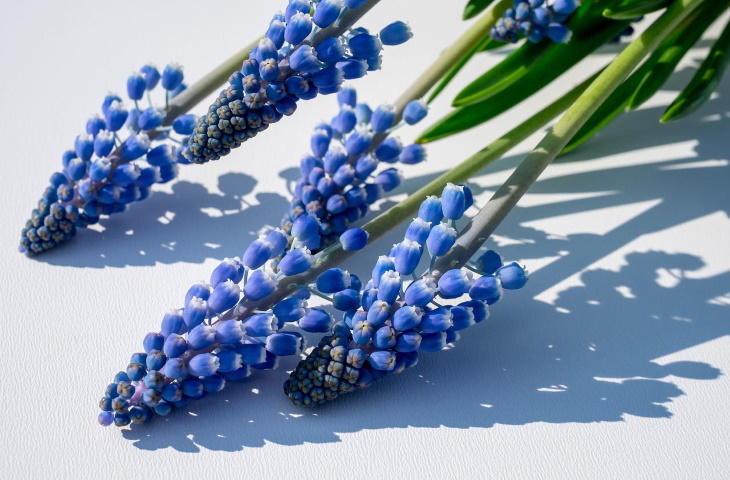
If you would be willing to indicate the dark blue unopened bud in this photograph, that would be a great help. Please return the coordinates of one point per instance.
(76, 169)
(559, 33)
(378, 313)
(185, 124)
(153, 341)
(228, 332)
(407, 317)
(354, 239)
(275, 33)
(316, 320)
(415, 111)
(512, 276)
(382, 118)
(136, 86)
(385, 337)
(369, 296)
(327, 11)
(84, 146)
(396, 33)
(200, 337)
(283, 344)
(295, 262)
(258, 253)
(328, 78)
(252, 352)
(320, 142)
(389, 150)
(408, 341)
(155, 361)
(382, 265)
(229, 361)
(389, 179)
(462, 317)
(151, 76)
(489, 262)
(382, 360)
(365, 46)
(290, 310)
(453, 201)
(202, 365)
(347, 299)
(430, 210)
(213, 383)
(298, 28)
(305, 226)
(389, 286)
(352, 68)
(175, 345)
(359, 141)
(407, 255)
(225, 295)
(438, 320)
(135, 146)
(336, 204)
(172, 322)
(200, 290)
(261, 325)
(565, 7)
(269, 70)
(95, 124)
(278, 242)
(125, 174)
(333, 280)
(413, 154)
(195, 312)
(362, 332)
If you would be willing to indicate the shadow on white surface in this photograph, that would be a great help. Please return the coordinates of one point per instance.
(588, 357)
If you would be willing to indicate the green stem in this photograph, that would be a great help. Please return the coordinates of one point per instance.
(406, 209)
(506, 197)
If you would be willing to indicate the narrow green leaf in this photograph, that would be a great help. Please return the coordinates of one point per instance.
(552, 65)
(457, 68)
(474, 8)
(631, 9)
(529, 56)
(492, 45)
(704, 82)
(674, 49)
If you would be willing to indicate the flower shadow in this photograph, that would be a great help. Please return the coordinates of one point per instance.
(590, 356)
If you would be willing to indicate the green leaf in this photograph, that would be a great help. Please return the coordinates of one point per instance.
(584, 23)
(474, 8)
(674, 49)
(553, 63)
(705, 81)
(457, 68)
(632, 9)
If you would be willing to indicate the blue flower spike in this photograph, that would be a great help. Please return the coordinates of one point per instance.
(535, 20)
(386, 336)
(106, 171)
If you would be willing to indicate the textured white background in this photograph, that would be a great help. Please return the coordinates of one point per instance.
(610, 364)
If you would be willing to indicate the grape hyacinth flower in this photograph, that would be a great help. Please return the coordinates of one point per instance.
(306, 52)
(106, 170)
(386, 335)
(535, 20)
(339, 181)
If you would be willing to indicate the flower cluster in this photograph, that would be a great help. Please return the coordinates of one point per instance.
(535, 20)
(105, 172)
(289, 64)
(392, 323)
(338, 179)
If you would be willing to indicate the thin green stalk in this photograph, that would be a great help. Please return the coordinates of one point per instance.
(406, 209)
(506, 197)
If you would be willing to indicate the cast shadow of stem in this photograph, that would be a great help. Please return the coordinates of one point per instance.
(589, 357)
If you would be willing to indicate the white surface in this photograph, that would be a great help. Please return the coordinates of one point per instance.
(616, 368)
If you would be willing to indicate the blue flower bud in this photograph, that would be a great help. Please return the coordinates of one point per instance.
(135, 146)
(172, 76)
(362, 332)
(333, 280)
(327, 11)
(151, 118)
(275, 33)
(153, 341)
(229, 361)
(354, 239)
(295, 84)
(200, 290)
(136, 86)
(200, 337)
(512, 276)
(175, 345)
(298, 28)
(359, 141)
(438, 320)
(430, 210)
(453, 201)
(327, 78)
(172, 392)
(260, 285)
(378, 313)
(420, 293)
(389, 150)
(407, 317)
(253, 352)
(382, 118)
(228, 332)
(304, 227)
(396, 33)
(160, 155)
(389, 179)
(347, 97)
(365, 46)
(382, 360)
(408, 341)
(185, 124)
(155, 361)
(352, 68)
(316, 321)
(278, 242)
(94, 125)
(336, 204)
(269, 70)
(195, 312)
(192, 387)
(139, 357)
(260, 325)
(202, 365)
(413, 154)
(320, 142)
(433, 342)
(347, 299)
(103, 144)
(136, 371)
(151, 76)
(559, 33)
(258, 253)
(213, 383)
(326, 186)
(354, 3)
(283, 344)
(415, 111)
(163, 408)
(125, 174)
(440, 240)
(290, 310)
(418, 231)
(224, 297)
(565, 7)
(106, 418)
(382, 265)
(152, 397)
(455, 283)
(389, 287)
(385, 337)
(140, 414)
(407, 255)
(76, 169)
(295, 262)
(344, 176)
(84, 146)
(172, 322)
(462, 317)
